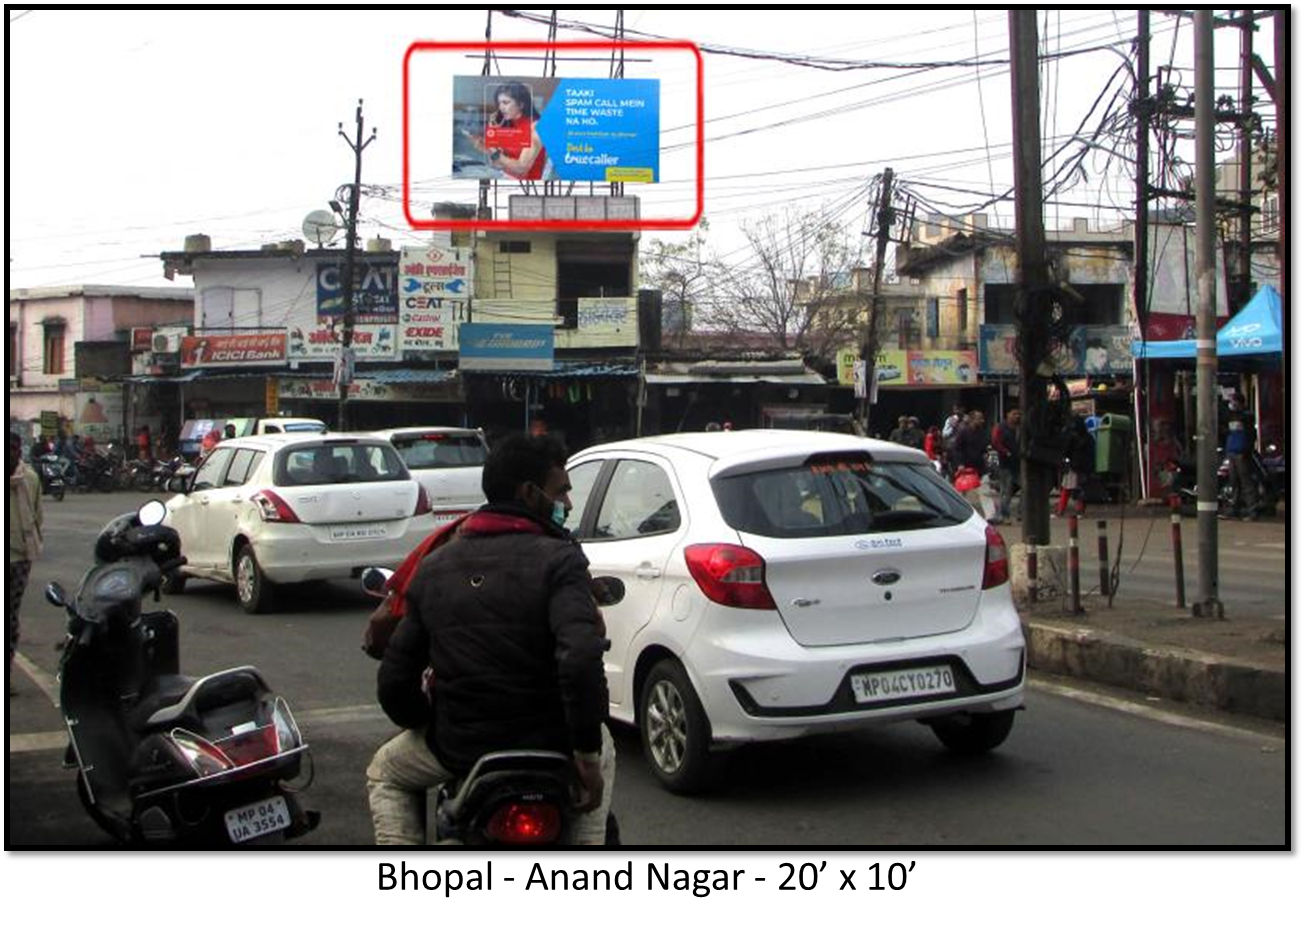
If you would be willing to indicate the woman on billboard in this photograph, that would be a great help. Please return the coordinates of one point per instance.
(511, 141)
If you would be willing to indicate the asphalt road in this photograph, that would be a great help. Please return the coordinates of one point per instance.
(1082, 768)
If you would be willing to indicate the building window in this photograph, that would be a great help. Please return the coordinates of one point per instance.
(12, 356)
(54, 347)
(1102, 304)
(588, 269)
(513, 247)
(932, 316)
(962, 312)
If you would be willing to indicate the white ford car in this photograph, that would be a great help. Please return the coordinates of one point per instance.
(275, 509)
(783, 583)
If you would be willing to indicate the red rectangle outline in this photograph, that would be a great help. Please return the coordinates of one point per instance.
(555, 224)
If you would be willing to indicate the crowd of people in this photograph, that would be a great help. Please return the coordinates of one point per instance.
(964, 448)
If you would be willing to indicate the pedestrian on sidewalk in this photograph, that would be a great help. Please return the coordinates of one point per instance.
(1005, 440)
(1079, 461)
(24, 539)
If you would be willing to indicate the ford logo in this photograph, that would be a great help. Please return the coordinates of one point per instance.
(886, 577)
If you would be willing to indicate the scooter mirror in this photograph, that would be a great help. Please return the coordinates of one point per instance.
(607, 590)
(152, 512)
(374, 579)
(55, 594)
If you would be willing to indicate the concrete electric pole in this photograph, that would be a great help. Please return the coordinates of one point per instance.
(883, 219)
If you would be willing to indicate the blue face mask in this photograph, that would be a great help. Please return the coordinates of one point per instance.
(558, 515)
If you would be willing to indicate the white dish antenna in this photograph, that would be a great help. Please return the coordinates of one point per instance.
(319, 227)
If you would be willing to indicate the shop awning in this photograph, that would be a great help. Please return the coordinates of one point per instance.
(781, 372)
(1254, 330)
(398, 377)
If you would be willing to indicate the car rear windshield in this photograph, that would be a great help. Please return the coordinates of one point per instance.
(305, 427)
(835, 495)
(335, 463)
(440, 451)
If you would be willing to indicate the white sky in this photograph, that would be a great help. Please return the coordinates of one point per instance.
(129, 130)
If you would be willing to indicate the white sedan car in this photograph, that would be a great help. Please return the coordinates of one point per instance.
(275, 509)
(783, 583)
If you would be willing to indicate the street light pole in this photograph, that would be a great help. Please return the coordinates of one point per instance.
(344, 372)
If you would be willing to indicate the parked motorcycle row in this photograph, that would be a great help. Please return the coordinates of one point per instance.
(104, 470)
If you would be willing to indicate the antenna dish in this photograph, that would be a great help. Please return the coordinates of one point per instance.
(320, 228)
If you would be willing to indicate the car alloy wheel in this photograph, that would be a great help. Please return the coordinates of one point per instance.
(667, 727)
(676, 733)
(251, 586)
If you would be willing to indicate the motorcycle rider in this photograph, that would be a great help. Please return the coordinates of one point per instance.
(503, 618)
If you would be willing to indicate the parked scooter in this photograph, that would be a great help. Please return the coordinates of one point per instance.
(163, 758)
(50, 468)
(519, 797)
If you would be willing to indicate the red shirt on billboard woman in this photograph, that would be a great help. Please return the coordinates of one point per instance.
(510, 138)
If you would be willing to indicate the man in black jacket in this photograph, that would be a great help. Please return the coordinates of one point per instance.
(503, 617)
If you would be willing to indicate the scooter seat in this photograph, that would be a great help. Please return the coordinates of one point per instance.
(164, 691)
(174, 698)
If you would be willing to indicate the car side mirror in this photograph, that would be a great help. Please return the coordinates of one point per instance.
(55, 594)
(179, 485)
(607, 590)
(374, 580)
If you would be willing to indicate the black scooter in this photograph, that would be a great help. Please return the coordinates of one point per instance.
(515, 797)
(50, 468)
(162, 758)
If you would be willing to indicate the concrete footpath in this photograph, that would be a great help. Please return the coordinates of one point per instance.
(1145, 643)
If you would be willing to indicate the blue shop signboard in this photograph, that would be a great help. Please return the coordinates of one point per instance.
(505, 347)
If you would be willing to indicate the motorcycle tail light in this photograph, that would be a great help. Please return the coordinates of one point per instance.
(251, 745)
(204, 757)
(525, 824)
(287, 731)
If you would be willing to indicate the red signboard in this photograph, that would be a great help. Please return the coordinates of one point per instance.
(142, 339)
(212, 350)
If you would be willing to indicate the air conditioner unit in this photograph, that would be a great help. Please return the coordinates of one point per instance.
(166, 343)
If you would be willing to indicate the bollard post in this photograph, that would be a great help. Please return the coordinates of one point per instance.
(1179, 570)
(1075, 580)
(1032, 573)
(1102, 550)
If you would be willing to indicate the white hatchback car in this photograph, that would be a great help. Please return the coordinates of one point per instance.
(275, 509)
(448, 462)
(783, 583)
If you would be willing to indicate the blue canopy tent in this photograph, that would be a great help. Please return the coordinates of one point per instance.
(1254, 330)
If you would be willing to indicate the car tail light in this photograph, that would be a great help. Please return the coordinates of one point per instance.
(729, 575)
(274, 508)
(996, 566)
(524, 824)
(423, 502)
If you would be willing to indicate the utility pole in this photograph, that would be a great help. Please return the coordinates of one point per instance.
(1032, 298)
(1282, 85)
(1141, 250)
(1241, 291)
(345, 371)
(1207, 603)
(884, 216)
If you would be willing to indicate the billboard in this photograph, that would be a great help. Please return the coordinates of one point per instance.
(375, 294)
(1092, 349)
(211, 350)
(556, 128)
(370, 342)
(505, 347)
(434, 288)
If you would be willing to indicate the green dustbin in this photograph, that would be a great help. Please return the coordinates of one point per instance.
(1113, 437)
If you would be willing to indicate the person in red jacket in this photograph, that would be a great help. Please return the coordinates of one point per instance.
(511, 140)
